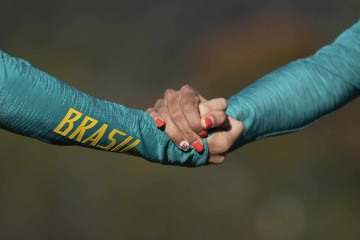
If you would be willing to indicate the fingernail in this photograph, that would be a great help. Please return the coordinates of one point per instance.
(203, 134)
(159, 122)
(198, 146)
(184, 146)
(209, 122)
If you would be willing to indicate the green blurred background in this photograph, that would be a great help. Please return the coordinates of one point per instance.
(299, 186)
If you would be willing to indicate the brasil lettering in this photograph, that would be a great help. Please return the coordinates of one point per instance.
(66, 129)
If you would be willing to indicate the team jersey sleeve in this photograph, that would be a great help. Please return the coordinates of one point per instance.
(35, 104)
(301, 92)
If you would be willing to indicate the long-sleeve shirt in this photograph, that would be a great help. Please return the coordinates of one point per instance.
(301, 92)
(35, 104)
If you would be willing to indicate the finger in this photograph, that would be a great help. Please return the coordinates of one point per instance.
(202, 99)
(213, 113)
(214, 104)
(190, 107)
(159, 122)
(221, 141)
(188, 89)
(215, 119)
(159, 103)
(175, 135)
(177, 116)
(217, 159)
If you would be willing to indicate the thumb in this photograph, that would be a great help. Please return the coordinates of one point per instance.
(222, 140)
(214, 104)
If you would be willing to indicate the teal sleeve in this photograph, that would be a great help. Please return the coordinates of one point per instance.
(301, 92)
(35, 104)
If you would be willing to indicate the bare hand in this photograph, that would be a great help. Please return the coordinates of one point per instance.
(187, 116)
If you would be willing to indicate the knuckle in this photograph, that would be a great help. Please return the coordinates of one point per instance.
(159, 101)
(168, 92)
(223, 103)
(187, 107)
(196, 127)
(189, 135)
(186, 87)
(149, 110)
(164, 115)
(197, 99)
(177, 116)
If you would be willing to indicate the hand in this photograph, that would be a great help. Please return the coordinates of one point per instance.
(187, 116)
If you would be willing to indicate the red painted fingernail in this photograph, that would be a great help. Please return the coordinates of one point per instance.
(159, 122)
(203, 134)
(209, 122)
(198, 146)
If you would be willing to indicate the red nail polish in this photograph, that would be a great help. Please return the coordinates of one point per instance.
(159, 122)
(198, 146)
(209, 123)
(203, 134)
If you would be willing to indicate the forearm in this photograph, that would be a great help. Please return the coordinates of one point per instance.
(301, 92)
(37, 105)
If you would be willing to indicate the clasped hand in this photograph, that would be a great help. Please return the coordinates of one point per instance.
(187, 117)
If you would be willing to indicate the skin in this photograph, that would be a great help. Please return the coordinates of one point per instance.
(185, 112)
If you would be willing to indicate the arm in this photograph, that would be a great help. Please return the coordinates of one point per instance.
(301, 92)
(35, 104)
(181, 113)
(284, 101)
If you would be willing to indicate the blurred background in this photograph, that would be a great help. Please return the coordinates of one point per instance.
(299, 186)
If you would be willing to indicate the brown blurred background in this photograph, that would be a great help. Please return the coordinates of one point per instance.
(299, 186)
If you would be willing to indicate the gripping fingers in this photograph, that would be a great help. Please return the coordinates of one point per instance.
(213, 104)
(222, 140)
(213, 114)
(215, 119)
(156, 117)
(190, 108)
(159, 121)
(177, 108)
(175, 135)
